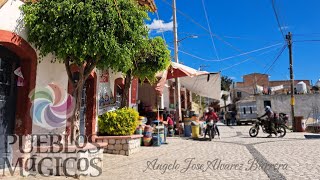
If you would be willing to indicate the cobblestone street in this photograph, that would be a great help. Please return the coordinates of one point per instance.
(234, 156)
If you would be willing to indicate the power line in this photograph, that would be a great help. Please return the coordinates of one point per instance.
(230, 57)
(212, 40)
(273, 63)
(309, 34)
(245, 53)
(246, 60)
(161, 26)
(277, 18)
(234, 37)
(309, 40)
(185, 15)
(276, 59)
(196, 23)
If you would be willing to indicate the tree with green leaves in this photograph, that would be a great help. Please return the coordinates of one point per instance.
(226, 82)
(153, 57)
(88, 34)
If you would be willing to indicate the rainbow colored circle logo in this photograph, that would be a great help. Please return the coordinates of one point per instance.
(51, 106)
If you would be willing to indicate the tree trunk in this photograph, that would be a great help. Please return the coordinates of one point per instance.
(77, 95)
(127, 85)
(84, 72)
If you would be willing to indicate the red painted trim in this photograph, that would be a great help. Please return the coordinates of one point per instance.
(28, 63)
(134, 88)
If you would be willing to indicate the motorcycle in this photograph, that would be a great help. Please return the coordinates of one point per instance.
(280, 126)
(211, 130)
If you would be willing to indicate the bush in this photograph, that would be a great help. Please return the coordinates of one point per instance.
(121, 122)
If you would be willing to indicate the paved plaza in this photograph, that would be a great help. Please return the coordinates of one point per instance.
(234, 156)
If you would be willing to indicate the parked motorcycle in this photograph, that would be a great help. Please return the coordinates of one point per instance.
(280, 126)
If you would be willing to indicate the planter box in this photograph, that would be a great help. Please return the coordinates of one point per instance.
(123, 145)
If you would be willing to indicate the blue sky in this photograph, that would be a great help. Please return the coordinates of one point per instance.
(244, 26)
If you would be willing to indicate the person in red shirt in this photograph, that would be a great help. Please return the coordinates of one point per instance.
(170, 123)
(211, 115)
(169, 120)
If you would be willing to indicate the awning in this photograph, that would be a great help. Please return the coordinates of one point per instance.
(208, 85)
(179, 70)
(200, 82)
(176, 70)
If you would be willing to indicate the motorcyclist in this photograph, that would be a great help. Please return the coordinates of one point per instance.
(211, 115)
(269, 113)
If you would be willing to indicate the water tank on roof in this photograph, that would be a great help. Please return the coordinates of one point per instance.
(301, 88)
(317, 83)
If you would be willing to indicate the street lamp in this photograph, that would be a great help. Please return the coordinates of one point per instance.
(191, 36)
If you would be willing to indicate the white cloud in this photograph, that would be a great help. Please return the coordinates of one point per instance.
(160, 26)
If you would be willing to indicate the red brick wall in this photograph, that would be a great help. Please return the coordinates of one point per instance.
(252, 79)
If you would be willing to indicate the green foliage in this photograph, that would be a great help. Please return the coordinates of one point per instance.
(120, 122)
(226, 83)
(107, 31)
(153, 57)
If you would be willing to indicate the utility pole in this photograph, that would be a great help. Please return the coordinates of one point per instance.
(289, 39)
(177, 81)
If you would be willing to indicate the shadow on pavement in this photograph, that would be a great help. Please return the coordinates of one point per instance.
(260, 137)
(199, 139)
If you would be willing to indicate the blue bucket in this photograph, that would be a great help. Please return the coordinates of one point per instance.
(156, 140)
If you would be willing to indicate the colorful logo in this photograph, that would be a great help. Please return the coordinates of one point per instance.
(51, 106)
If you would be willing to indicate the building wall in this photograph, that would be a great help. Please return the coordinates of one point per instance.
(251, 79)
(304, 104)
(48, 73)
(166, 102)
(147, 95)
(11, 18)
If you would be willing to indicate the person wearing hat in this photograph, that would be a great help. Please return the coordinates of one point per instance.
(269, 113)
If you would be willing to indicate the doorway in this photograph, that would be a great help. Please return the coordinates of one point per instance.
(8, 63)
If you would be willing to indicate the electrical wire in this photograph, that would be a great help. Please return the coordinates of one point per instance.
(308, 40)
(161, 27)
(230, 57)
(277, 18)
(199, 25)
(273, 63)
(236, 64)
(276, 59)
(185, 15)
(209, 28)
